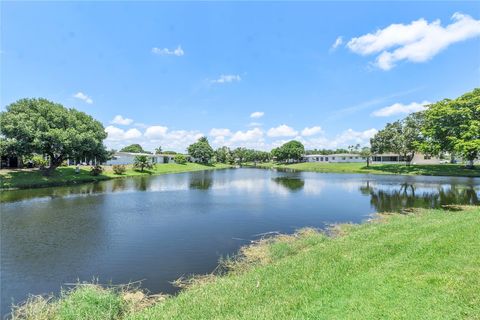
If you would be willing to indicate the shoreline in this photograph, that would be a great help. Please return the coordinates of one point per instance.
(443, 170)
(24, 179)
(415, 257)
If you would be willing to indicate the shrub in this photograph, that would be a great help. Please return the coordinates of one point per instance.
(180, 159)
(119, 168)
(39, 162)
(96, 170)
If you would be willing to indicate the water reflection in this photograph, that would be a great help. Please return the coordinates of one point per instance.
(159, 228)
(201, 181)
(292, 184)
(406, 195)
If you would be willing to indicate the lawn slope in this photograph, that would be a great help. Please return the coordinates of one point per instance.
(415, 169)
(424, 265)
(23, 179)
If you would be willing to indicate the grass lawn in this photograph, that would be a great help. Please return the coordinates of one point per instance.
(33, 178)
(416, 169)
(424, 265)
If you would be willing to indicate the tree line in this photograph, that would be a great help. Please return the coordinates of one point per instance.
(37, 128)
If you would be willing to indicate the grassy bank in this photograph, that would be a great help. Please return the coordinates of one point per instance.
(417, 169)
(425, 265)
(23, 179)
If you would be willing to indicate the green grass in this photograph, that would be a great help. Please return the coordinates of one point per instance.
(23, 179)
(424, 265)
(417, 169)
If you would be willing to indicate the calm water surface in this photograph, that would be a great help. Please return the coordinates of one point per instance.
(159, 228)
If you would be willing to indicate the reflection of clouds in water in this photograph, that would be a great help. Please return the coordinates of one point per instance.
(314, 187)
(253, 186)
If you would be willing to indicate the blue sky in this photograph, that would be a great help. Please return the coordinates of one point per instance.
(328, 74)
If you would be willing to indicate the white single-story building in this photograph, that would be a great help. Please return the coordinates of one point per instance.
(334, 158)
(129, 158)
(386, 158)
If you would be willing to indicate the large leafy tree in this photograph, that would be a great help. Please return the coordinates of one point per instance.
(292, 150)
(44, 127)
(133, 148)
(454, 126)
(402, 137)
(201, 150)
(223, 154)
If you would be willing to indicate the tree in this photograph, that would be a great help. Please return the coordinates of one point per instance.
(454, 126)
(292, 150)
(133, 148)
(142, 162)
(402, 137)
(47, 128)
(222, 154)
(366, 153)
(158, 150)
(180, 159)
(201, 150)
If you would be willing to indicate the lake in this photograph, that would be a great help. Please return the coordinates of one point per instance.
(158, 228)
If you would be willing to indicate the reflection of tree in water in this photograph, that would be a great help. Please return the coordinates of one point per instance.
(293, 184)
(407, 196)
(201, 181)
(141, 183)
(119, 184)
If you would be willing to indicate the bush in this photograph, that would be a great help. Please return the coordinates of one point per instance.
(180, 159)
(119, 168)
(96, 170)
(39, 162)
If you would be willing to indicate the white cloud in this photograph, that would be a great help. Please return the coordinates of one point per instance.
(399, 108)
(82, 96)
(118, 119)
(338, 42)
(249, 135)
(255, 124)
(227, 78)
(347, 137)
(311, 131)
(418, 41)
(156, 132)
(257, 114)
(282, 131)
(117, 134)
(169, 52)
(220, 132)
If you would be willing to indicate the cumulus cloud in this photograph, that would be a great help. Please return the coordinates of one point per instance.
(227, 78)
(82, 96)
(342, 140)
(117, 134)
(338, 42)
(418, 41)
(156, 132)
(282, 131)
(178, 51)
(220, 132)
(118, 119)
(249, 135)
(311, 131)
(400, 108)
(257, 114)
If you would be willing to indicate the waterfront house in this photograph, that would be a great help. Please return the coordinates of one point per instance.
(129, 158)
(385, 158)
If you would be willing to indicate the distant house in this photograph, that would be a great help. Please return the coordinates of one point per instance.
(129, 158)
(334, 158)
(386, 158)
